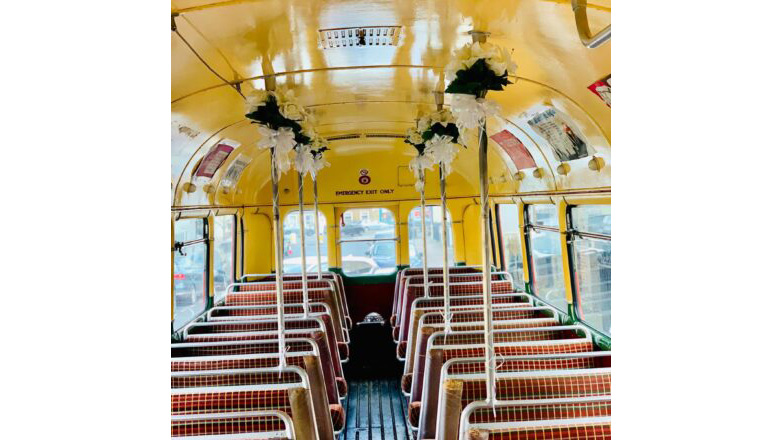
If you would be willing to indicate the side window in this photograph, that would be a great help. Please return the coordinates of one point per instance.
(434, 239)
(190, 270)
(510, 238)
(291, 242)
(591, 249)
(548, 280)
(368, 242)
(224, 254)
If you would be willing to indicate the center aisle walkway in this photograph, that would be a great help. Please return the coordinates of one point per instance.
(375, 411)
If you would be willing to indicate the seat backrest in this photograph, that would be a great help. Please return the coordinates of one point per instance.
(273, 377)
(471, 320)
(305, 360)
(507, 342)
(402, 275)
(238, 313)
(457, 393)
(566, 418)
(411, 292)
(292, 399)
(316, 295)
(260, 425)
(317, 327)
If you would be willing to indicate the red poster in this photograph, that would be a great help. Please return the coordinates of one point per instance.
(213, 159)
(602, 88)
(515, 149)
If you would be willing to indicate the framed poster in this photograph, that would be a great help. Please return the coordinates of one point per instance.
(565, 139)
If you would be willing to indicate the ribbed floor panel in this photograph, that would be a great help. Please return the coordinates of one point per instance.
(375, 411)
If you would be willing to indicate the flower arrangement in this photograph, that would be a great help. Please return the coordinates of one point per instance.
(475, 69)
(436, 137)
(281, 122)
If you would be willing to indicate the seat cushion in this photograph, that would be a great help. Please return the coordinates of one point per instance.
(337, 417)
(342, 387)
(407, 382)
(414, 413)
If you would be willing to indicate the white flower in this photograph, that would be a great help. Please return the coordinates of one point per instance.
(442, 150)
(304, 162)
(292, 111)
(255, 99)
(281, 142)
(423, 124)
(414, 136)
(471, 112)
(502, 63)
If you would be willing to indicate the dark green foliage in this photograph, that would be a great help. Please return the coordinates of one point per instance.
(477, 79)
(419, 147)
(317, 152)
(449, 130)
(270, 115)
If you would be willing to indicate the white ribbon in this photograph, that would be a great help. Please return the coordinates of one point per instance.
(417, 165)
(319, 163)
(443, 151)
(471, 112)
(304, 162)
(281, 142)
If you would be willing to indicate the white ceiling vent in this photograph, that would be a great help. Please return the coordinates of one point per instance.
(359, 36)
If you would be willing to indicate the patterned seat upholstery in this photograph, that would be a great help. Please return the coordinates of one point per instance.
(571, 419)
(255, 424)
(509, 342)
(211, 371)
(316, 328)
(413, 292)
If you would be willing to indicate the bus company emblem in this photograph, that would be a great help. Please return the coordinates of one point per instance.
(364, 178)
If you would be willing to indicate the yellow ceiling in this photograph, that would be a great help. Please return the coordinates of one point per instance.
(371, 89)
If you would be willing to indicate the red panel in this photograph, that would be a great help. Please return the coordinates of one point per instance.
(366, 298)
(515, 149)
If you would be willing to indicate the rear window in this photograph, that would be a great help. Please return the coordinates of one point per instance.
(368, 242)
(434, 237)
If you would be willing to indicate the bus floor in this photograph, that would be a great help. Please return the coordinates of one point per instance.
(375, 406)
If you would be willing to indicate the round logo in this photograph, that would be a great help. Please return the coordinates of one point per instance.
(364, 172)
(364, 180)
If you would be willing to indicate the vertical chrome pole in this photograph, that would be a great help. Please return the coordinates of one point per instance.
(317, 224)
(303, 247)
(444, 235)
(424, 262)
(483, 166)
(278, 259)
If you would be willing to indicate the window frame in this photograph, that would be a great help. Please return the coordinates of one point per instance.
(572, 235)
(449, 233)
(179, 247)
(396, 239)
(528, 228)
(234, 253)
(501, 238)
(325, 242)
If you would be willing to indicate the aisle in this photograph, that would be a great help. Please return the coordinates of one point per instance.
(375, 411)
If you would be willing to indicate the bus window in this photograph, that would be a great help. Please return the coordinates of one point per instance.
(592, 264)
(510, 232)
(434, 240)
(368, 242)
(548, 279)
(190, 270)
(291, 242)
(224, 254)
